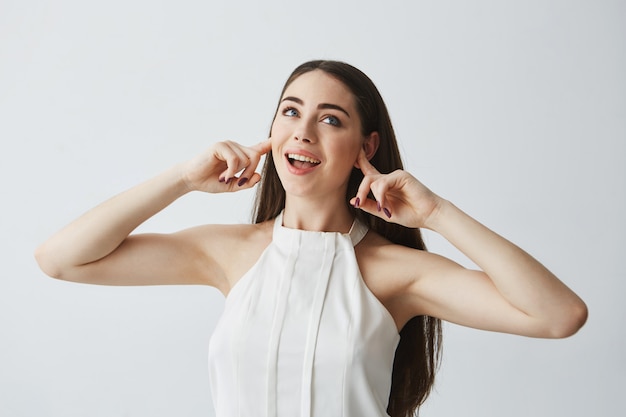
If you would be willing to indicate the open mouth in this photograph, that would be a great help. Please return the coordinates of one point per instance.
(301, 161)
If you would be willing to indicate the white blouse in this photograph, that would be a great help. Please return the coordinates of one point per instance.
(302, 335)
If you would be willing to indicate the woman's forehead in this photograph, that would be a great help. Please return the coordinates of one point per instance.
(318, 86)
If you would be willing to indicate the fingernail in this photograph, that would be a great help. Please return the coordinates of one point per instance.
(387, 212)
(229, 180)
(222, 179)
(378, 205)
(357, 202)
(242, 181)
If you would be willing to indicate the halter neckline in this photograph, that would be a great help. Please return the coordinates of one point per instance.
(357, 231)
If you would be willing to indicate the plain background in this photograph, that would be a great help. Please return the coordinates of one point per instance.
(514, 110)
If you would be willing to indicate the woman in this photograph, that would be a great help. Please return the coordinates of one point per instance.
(333, 307)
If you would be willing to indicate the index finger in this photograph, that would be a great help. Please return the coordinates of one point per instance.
(262, 147)
(364, 164)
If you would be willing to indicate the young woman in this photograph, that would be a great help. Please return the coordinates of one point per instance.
(333, 306)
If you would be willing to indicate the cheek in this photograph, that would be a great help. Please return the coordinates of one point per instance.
(278, 129)
(349, 153)
(276, 156)
(349, 147)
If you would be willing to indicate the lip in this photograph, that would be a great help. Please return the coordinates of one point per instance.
(300, 171)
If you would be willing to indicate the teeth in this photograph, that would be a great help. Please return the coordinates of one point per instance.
(302, 158)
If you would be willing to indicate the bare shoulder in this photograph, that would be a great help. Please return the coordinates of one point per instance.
(387, 265)
(234, 247)
(390, 271)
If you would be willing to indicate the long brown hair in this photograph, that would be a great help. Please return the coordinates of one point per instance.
(419, 351)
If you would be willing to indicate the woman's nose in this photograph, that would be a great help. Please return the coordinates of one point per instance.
(305, 132)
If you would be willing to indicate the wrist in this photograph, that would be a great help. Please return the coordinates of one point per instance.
(181, 178)
(175, 181)
(437, 218)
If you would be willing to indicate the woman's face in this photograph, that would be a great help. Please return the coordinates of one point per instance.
(316, 136)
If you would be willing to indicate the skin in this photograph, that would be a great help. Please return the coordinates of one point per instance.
(512, 292)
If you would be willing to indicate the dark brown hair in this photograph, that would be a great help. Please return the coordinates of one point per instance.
(419, 351)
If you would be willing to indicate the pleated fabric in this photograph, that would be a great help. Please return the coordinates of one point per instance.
(302, 335)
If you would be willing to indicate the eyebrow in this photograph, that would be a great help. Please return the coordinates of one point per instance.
(319, 106)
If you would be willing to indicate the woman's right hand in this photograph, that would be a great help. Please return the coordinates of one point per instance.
(216, 169)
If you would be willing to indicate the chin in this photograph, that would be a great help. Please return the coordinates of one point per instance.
(297, 190)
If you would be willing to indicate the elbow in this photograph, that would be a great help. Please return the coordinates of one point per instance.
(46, 263)
(572, 320)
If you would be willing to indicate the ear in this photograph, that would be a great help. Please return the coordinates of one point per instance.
(370, 144)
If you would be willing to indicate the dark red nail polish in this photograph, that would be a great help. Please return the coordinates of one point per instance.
(229, 180)
(242, 181)
(222, 179)
(357, 202)
(378, 205)
(387, 212)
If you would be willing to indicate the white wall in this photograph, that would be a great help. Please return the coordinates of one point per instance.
(516, 111)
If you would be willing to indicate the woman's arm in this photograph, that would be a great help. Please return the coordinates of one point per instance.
(97, 248)
(513, 293)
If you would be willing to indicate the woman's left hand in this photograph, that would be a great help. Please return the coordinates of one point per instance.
(399, 197)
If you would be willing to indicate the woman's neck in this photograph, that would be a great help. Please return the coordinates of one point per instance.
(322, 215)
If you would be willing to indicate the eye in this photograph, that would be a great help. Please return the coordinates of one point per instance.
(290, 112)
(331, 120)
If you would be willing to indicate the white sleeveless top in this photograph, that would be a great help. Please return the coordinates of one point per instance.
(302, 335)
